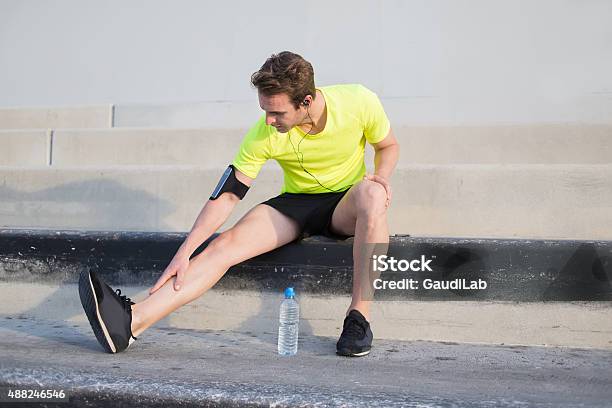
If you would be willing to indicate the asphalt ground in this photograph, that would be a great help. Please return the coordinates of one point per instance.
(182, 367)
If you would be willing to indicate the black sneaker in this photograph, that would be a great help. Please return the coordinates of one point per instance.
(356, 337)
(109, 312)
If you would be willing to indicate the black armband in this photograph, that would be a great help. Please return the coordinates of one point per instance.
(229, 183)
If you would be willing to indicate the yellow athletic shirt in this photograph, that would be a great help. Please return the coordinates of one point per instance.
(334, 156)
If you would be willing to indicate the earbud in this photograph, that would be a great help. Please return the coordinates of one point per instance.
(306, 102)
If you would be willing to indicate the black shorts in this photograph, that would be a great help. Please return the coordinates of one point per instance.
(313, 212)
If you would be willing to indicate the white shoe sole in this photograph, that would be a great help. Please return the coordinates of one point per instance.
(92, 310)
(363, 353)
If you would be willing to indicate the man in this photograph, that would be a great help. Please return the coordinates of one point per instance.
(318, 137)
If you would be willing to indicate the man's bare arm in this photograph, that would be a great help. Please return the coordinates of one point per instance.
(386, 154)
(211, 217)
(385, 158)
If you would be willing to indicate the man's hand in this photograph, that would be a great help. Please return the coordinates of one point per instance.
(177, 267)
(385, 184)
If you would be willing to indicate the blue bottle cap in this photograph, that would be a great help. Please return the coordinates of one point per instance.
(289, 293)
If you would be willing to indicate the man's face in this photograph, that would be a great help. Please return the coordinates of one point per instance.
(280, 112)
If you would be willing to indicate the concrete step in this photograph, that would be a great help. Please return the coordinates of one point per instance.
(213, 114)
(100, 116)
(220, 349)
(537, 293)
(538, 144)
(170, 367)
(464, 110)
(25, 148)
(528, 201)
(584, 324)
(213, 149)
(507, 144)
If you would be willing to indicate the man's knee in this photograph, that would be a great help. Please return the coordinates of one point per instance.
(370, 199)
(220, 245)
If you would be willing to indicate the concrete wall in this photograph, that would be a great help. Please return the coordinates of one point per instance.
(432, 62)
(503, 109)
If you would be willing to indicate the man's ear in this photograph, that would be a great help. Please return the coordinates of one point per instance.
(307, 101)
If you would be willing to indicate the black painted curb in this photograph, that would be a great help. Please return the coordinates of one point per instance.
(514, 270)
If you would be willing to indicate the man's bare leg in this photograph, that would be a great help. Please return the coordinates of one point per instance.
(362, 212)
(261, 230)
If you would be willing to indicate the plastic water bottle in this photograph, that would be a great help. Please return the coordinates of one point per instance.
(288, 324)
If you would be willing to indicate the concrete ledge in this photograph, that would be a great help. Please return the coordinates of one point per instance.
(515, 270)
(25, 147)
(57, 117)
(402, 111)
(121, 146)
(216, 114)
(526, 201)
(543, 144)
(134, 198)
(552, 293)
(585, 324)
(507, 144)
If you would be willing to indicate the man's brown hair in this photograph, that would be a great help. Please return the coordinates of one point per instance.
(287, 73)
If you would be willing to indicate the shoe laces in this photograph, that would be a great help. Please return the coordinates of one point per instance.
(126, 301)
(355, 328)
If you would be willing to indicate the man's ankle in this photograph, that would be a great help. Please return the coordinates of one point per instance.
(136, 323)
(364, 312)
